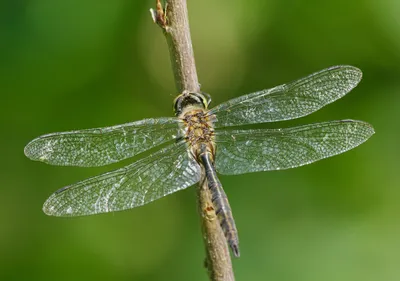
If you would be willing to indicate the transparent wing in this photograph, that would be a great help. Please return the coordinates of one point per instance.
(245, 151)
(102, 146)
(289, 101)
(162, 173)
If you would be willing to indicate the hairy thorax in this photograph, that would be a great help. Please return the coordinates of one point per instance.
(199, 131)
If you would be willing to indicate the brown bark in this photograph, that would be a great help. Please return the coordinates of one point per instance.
(173, 19)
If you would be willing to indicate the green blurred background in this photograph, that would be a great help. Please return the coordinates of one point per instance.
(80, 64)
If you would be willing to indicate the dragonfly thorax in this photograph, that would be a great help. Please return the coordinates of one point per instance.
(198, 128)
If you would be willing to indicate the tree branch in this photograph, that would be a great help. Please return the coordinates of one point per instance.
(218, 259)
(173, 19)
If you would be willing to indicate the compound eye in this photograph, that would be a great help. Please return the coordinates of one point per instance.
(178, 105)
(190, 99)
(206, 99)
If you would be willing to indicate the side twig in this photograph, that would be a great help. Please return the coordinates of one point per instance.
(173, 19)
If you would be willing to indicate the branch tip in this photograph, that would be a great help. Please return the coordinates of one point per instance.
(159, 15)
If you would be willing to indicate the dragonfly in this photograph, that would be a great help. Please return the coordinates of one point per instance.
(201, 142)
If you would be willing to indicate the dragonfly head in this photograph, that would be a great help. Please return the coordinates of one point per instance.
(191, 100)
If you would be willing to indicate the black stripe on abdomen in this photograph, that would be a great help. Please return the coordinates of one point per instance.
(221, 205)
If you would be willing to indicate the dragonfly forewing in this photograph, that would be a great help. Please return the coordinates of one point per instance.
(166, 171)
(289, 101)
(102, 146)
(245, 151)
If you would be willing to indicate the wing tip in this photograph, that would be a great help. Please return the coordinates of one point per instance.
(364, 130)
(356, 73)
(37, 151)
(345, 66)
(48, 210)
(28, 150)
(369, 130)
(360, 122)
(49, 207)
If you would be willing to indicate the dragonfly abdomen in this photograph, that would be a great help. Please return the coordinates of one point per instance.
(221, 204)
(225, 217)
